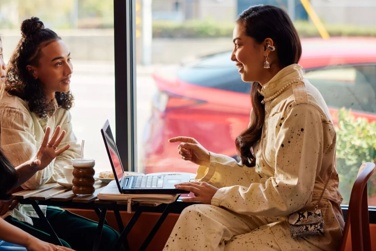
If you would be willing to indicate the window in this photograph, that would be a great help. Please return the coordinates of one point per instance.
(187, 85)
(351, 81)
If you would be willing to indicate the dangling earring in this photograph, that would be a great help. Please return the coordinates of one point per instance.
(266, 62)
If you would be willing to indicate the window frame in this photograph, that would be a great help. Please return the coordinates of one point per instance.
(124, 56)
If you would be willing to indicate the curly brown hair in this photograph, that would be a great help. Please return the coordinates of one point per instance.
(19, 81)
(261, 22)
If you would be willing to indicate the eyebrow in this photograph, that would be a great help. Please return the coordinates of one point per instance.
(58, 58)
(237, 38)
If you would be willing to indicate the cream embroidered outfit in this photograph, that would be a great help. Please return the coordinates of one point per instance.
(21, 135)
(295, 158)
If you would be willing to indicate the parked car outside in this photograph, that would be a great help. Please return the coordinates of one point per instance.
(208, 101)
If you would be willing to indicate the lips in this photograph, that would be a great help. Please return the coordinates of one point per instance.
(240, 68)
(66, 81)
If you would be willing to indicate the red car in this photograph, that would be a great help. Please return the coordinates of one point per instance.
(208, 101)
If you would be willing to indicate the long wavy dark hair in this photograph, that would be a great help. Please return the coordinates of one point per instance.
(261, 22)
(20, 81)
(8, 176)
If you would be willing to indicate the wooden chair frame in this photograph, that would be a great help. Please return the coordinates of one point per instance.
(357, 220)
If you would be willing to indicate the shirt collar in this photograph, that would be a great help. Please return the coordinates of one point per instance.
(283, 79)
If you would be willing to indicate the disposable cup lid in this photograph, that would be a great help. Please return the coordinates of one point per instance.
(83, 162)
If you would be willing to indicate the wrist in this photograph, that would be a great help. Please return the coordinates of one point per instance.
(208, 158)
(28, 240)
(34, 164)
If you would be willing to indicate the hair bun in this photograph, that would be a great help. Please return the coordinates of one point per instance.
(31, 26)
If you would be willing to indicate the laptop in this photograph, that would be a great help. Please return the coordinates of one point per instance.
(154, 183)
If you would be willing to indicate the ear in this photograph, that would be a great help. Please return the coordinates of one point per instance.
(268, 46)
(32, 70)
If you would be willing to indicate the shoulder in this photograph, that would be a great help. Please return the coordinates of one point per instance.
(305, 94)
(14, 110)
(10, 101)
(13, 104)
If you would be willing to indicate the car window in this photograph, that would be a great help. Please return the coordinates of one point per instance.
(214, 71)
(356, 83)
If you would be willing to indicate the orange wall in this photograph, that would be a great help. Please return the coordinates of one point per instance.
(140, 230)
(147, 221)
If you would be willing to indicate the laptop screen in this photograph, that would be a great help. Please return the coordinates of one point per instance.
(112, 151)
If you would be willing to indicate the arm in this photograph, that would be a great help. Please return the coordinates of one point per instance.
(49, 149)
(22, 134)
(213, 167)
(18, 140)
(15, 235)
(293, 151)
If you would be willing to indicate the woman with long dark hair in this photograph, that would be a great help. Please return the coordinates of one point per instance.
(283, 194)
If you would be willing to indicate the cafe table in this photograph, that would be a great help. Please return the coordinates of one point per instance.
(53, 194)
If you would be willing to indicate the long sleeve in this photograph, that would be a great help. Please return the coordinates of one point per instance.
(22, 133)
(296, 158)
(225, 171)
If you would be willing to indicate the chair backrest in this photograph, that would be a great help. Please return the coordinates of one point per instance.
(357, 220)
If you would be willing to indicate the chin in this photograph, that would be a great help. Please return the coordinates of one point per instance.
(65, 90)
(246, 80)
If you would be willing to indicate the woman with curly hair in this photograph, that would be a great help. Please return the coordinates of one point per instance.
(37, 95)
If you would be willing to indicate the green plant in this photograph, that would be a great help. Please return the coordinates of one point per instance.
(356, 143)
(210, 28)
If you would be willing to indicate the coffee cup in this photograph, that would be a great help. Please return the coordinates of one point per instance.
(83, 176)
(68, 173)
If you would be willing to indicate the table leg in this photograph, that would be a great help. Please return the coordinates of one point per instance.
(102, 219)
(55, 238)
(98, 212)
(119, 220)
(156, 227)
(127, 229)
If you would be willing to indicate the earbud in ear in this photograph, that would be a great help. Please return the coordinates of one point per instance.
(270, 47)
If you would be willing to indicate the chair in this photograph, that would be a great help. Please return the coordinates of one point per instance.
(357, 219)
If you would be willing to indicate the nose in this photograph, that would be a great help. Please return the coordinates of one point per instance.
(233, 58)
(69, 68)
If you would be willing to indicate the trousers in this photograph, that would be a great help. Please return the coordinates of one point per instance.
(207, 227)
(73, 230)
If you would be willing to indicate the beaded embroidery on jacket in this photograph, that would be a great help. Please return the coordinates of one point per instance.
(279, 91)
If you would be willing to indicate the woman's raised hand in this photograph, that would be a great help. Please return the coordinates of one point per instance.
(190, 149)
(49, 148)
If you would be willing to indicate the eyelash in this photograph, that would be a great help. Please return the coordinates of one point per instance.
(61, 63)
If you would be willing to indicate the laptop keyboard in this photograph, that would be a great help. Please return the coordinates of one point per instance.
(148, 181)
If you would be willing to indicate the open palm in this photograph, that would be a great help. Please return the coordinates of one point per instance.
(48, 149)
